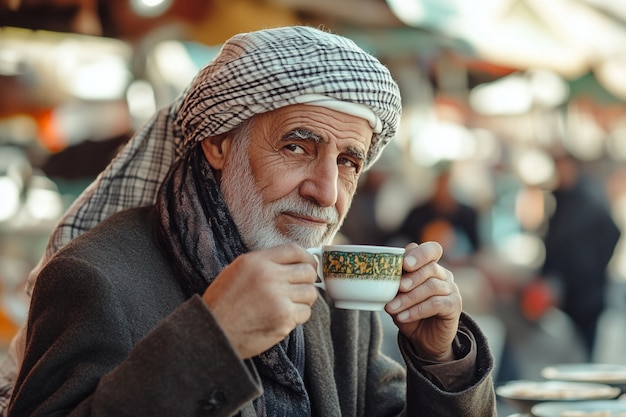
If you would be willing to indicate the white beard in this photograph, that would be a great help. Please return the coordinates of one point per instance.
(257, 223)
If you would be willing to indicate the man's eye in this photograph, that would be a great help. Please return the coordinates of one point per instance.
(349, 164)
(293, 147)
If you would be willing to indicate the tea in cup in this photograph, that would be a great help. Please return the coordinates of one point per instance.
(361, 277)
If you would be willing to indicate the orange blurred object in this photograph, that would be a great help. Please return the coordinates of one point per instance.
(537, 298)
(8, 329)
(50, 132)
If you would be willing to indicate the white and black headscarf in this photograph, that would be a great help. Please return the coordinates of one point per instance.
(253, 73)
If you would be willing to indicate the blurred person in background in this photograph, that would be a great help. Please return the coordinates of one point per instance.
(178, 283)
(580, 240)
(443, 218)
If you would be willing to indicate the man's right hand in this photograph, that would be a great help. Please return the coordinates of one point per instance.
(262, 296)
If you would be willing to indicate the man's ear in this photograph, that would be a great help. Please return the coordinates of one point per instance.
(216, 149)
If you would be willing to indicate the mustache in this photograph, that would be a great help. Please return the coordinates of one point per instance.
(304, 208)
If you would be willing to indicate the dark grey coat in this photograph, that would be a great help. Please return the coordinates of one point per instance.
(110, 333)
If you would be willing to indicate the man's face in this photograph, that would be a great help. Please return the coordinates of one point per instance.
(295, 180)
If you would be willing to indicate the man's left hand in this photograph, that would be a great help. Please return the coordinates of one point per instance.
(428, 305)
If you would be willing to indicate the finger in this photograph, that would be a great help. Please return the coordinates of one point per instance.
(431, 270)
(301, 266)
(441, 306)
(417, 256)
(290, 254)
(430, 288)
(303, 294)
(301, 313)
(301, 273)
(295, 308)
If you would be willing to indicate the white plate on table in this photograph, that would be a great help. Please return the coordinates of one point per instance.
(524, 394)
(603, 373)
(599, 408)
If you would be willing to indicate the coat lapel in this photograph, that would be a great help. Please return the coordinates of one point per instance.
(319, 360)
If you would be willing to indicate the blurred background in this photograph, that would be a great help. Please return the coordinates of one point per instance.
(511, 153)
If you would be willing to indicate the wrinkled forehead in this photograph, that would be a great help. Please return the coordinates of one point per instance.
(320, 121)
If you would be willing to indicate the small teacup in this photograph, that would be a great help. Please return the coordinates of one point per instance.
(359, 277)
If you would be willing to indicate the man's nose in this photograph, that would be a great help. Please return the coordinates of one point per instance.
(321, 183)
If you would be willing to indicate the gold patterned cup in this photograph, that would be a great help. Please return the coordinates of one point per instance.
(359, 277)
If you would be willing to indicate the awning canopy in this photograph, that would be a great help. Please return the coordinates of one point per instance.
(569, 37)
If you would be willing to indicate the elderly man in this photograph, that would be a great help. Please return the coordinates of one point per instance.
(183, 288)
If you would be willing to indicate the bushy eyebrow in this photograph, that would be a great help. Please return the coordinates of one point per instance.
(308, 135)
(302, 134)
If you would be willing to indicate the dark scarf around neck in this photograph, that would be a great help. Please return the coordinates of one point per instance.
(200, 238)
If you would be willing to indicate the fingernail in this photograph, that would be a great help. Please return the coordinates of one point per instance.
(410, 260)
(395, 304)
(406, 283)
(403, 316)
